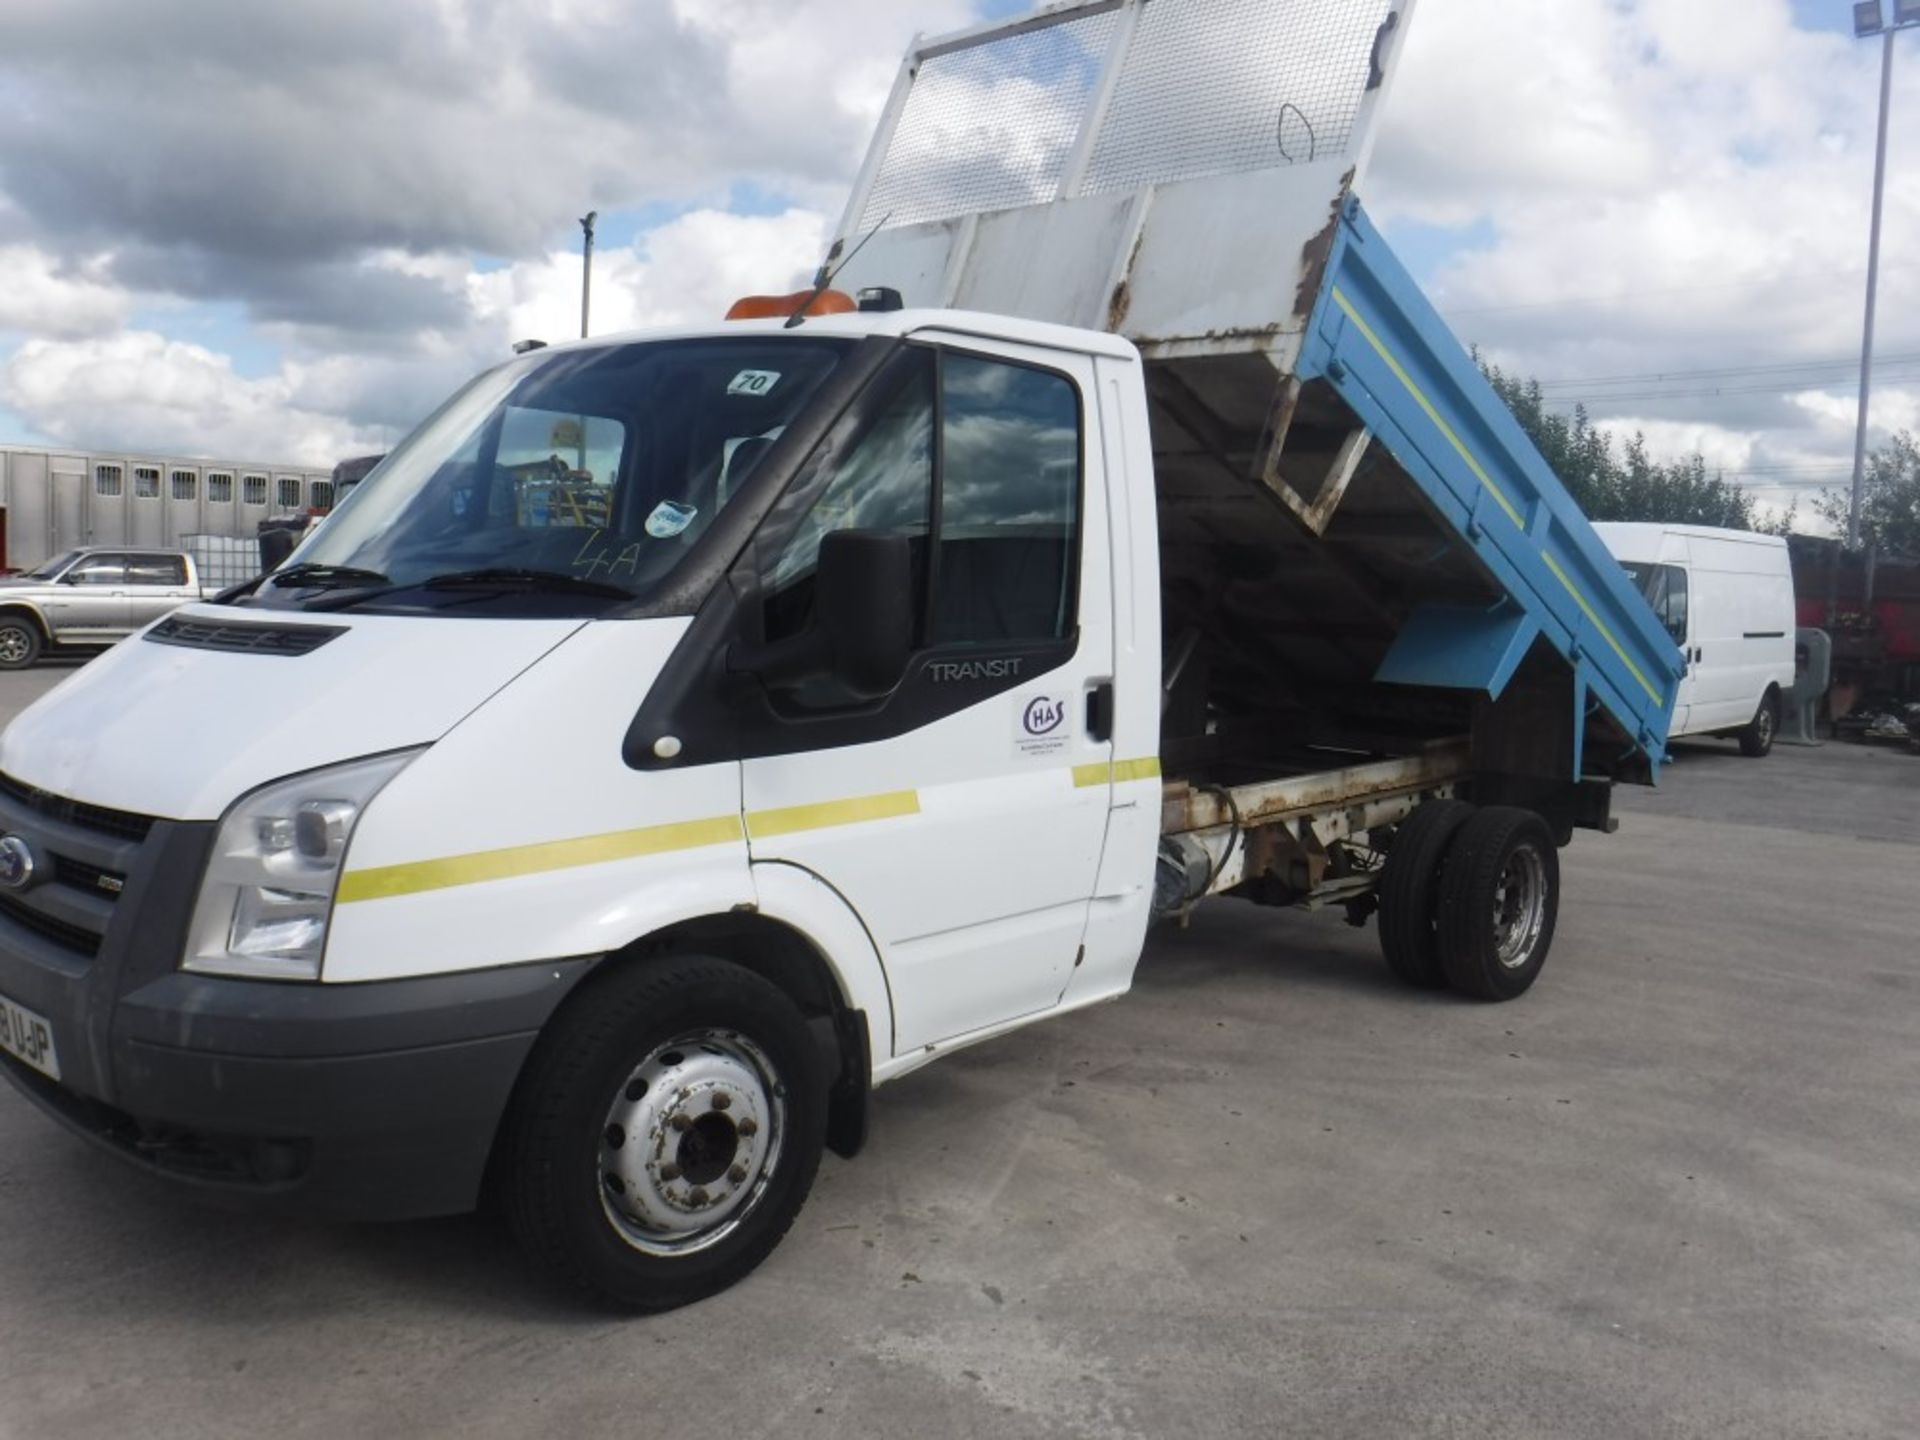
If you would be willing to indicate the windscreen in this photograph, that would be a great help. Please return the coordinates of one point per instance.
(53, 567)
(603, 464)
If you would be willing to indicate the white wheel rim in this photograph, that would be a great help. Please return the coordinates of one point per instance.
(691, 1141)
(1520, 907)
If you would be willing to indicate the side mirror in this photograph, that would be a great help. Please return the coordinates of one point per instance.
(864, 607)
(862, 628)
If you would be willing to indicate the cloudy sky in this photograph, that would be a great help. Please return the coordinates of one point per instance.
(283, 231)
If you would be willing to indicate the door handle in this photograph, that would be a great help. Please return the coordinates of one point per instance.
(1100, 712)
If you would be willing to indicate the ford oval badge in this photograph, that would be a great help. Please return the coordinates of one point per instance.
(16, 863)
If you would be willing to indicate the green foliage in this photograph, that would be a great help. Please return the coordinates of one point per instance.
(1890, 502)
(1626, 484)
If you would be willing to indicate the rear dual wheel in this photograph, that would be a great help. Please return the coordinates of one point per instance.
(1410, 892)
(1469, 899)
(1499, 900)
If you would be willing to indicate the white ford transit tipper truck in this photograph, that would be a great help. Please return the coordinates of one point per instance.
(681, 734)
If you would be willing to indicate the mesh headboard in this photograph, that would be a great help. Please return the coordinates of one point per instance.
(1116, 95)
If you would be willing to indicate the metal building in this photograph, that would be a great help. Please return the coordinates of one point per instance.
(53, 500)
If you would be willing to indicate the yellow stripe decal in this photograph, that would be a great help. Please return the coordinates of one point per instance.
(1605, 634)
(764, 824)
(1427, 405)
(1119, 772)
(386, 881)
(1493, 489)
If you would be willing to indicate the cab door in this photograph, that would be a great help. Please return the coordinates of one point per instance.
(90, 600)
(963, 815)
(155, 585)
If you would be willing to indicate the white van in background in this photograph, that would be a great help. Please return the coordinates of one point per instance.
(1726, 597)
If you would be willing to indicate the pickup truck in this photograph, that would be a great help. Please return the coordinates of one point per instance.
(682, 734)
(92, 596)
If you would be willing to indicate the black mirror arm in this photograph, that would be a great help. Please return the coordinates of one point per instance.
(782, 662)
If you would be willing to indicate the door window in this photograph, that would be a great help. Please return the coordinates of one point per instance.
(992, 509)
(100, 570)
(220, 489)
(885, 484)
(146, 482)
(1677, 602)
(1009, 503)
(185, 484)
(1665, 588)
(157, 570)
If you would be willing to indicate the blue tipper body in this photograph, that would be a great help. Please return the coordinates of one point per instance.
(1374, 337)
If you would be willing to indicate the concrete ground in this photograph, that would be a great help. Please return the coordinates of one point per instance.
(1674, 1191)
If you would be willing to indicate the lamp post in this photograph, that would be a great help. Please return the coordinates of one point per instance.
(1869, 19)
(586, 262)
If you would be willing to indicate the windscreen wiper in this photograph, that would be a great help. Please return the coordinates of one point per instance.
(511, 578)
(325, 577)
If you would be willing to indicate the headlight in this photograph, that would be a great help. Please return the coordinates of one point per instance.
(264, 906)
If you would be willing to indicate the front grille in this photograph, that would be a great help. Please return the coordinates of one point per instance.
(118, 823)
(90, 878)
(76, 938)
(243, 638)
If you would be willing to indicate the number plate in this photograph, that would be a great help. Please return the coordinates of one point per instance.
(26, 1035)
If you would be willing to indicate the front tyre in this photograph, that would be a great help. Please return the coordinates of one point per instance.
(1499, 899)
(665, 1133)
(20, 642)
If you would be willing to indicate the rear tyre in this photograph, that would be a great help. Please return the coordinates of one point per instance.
(665, 1133)
(1410, 892)
(1499, 899)
(1757, 739)
(20, 642)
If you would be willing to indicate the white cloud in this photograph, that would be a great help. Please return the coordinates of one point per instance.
(40, 297)
(1642, 188)
(1656, 188)
(140, 389)
(689, 269)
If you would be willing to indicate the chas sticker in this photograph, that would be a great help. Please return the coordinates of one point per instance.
(1040, 725)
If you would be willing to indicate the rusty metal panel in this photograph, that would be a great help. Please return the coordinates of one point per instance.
(1184, 808)
(1047, 262)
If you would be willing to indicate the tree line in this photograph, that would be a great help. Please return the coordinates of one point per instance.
(1623, 482)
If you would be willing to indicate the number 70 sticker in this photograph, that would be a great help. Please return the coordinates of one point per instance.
(754, 382)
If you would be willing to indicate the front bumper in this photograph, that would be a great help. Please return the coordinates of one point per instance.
(372, 1101)
(358, 1102)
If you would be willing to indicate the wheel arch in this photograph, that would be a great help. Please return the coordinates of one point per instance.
(802, 937)
(28, 610)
